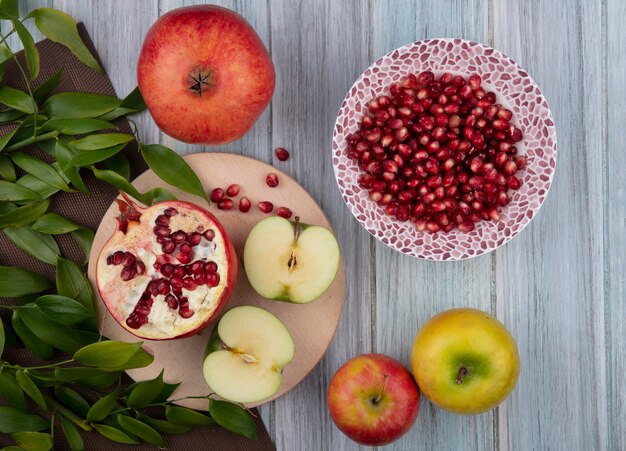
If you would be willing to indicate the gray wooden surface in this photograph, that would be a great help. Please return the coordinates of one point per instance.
(559, 286)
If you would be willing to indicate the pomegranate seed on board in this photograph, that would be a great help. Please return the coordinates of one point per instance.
(232, 190)
(225, 204)
(266, 207)
(284, 212)
(217, 194)
(271, 180)
(438, 147)
(244, 204)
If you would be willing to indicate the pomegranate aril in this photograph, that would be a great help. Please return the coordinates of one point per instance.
(212, 279)
(194, 239)
(167, 269)
(128, 273)
(225, 204)
(465, 226)
(185, 312)
(513, 183)
(171, 211)
(210, 234)
(271, 180)
(216, 195)
(178, 237)
(510, 168)
(504, 114)
(282, 154)
(162, 220)
(402, 213)
(197, 267)
(210, 267)
(265, 206)
(233, 190)
(520, 161)
(135, 321)
(284, 212)
(168, 247)
(140, 268)
(244, 204)
(176, 282)
(172, 302)
(183, 258)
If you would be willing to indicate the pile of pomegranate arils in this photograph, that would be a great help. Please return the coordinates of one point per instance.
(438, 151)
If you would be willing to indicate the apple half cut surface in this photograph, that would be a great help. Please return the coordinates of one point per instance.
(246, 355)
(290, 261)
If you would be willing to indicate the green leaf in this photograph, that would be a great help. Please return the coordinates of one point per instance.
(188, 417)
(163, 426)
(11, 392)
(9, 9)
(114, 434)
(134, 100)
(84, 239)
(103, 381)
(117, 113)
(90, 157)
(167, 391)
(72, 282)
(42, 376)
(48, 86)
(12, 420)
(72, 400)
(15, 282)
(101, 141)
(159, 195)
(61, 337)
(232, 417)
(63, 310)
(39, 186)
(77, 373)
(63, 154)
(13, 192)
(145, 392)
(72, 435)
(172, 169)
(141, 430)
(103, 407)
(107, 354)
(23, 215)
(39, 169)
(6, 54)
(39, 347)
(14, 98)
(36, 244)
(7, 170)
(30, 388)
(61, 28)
(2, 339)
(33, 441)
(30, 51)
(79, 105)
(8, 137)
(54, 224)
(119, 163)
(141, 359)
(76, 126)
(10, 338)
(8, 116)
(113, 178)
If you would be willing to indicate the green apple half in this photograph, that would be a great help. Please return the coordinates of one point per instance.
(246, 355)
(290, 261)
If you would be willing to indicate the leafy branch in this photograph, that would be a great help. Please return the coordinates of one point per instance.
(78, 383)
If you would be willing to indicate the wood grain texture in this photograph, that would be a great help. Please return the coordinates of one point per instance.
(559, 286)
(615, 225)
(319, 48)
(409, 291)
(549, 280)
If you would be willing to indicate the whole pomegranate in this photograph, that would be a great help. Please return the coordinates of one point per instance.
(167, 271)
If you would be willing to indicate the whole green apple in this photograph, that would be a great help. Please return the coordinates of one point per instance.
(465, 361)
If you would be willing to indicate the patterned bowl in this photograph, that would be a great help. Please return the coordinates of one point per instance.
(514, 89)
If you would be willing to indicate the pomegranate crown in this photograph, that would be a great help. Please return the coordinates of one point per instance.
(129, 212)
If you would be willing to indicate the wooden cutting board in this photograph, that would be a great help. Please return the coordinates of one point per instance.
(311, 325)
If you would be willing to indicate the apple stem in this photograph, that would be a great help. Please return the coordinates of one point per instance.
(462, 373)
(382, 390)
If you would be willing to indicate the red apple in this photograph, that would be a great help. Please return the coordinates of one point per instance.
(167, 271)
(204, 74)
(373, 399)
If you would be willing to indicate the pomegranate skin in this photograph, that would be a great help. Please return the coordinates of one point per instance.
(227, 283)
(215, 45)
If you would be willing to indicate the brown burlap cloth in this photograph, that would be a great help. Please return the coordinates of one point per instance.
(87, 210)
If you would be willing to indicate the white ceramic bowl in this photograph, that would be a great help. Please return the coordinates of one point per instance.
(514, 89)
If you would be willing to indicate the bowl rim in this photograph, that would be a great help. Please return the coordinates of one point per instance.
(500, 56)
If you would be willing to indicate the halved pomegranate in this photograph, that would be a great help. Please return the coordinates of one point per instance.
(167, 271)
